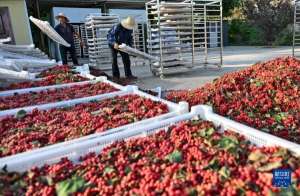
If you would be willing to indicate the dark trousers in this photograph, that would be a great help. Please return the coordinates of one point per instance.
(126, 62)
(64, 54)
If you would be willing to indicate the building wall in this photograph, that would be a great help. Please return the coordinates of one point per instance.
(19, 20)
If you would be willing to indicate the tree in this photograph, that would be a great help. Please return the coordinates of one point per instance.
(271, 16)
(229, 5)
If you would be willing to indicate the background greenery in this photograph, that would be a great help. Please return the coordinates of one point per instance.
(249, 22)
(259, 22)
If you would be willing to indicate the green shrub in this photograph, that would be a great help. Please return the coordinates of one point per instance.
(271, 16)
(285, 37)
(242, 33)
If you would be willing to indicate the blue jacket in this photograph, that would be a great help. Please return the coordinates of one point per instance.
(118, 34)
(66, 32)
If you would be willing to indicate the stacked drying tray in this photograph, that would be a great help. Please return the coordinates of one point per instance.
(139, 41)
(97, 27)
(170, 35)
(76, 42)
(85, 50)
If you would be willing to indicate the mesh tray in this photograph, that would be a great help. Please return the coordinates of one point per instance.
(49, 31)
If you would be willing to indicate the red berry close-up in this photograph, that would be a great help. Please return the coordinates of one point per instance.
(56, 75)
(190, 158)
(265, 96)
(41, 128)
(54, 95)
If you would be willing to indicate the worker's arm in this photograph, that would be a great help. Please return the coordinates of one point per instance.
(112, 37)
(56, 28)
(130, 41)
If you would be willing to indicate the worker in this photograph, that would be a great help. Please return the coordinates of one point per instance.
(121, 34)
(67, 32)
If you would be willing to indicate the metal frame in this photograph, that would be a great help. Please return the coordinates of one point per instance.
(85, 51)
(205, 12)
(76, 27)
(96, 28)
(296, 26)
(187, 21)
(139, 37)
(81, 52)
(139, 41)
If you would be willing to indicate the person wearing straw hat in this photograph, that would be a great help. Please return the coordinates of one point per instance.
(66, 31)
(121, 34)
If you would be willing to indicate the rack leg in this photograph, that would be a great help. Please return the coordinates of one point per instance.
(162, 76)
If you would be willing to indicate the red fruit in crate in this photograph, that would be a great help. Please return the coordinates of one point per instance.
(264, 96)
(52, 76)
(41, 128)
(54, 95)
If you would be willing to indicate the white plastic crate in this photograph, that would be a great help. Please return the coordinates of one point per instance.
(257, 137)
(61, 104)
(43, 88)
(74, 151)
(128, 90)
(174, 110)
(15, 75)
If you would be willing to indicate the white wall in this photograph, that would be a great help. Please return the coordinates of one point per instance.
(19, 20)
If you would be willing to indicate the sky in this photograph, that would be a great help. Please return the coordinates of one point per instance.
(77, 15)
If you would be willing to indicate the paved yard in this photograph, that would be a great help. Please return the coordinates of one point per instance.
(235, 58)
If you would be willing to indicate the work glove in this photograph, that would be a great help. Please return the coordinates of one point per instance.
(116, 46)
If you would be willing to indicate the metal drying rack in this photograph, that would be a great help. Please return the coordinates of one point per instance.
(179, 33)
(85, 50)
(296, 27)
(139, 41)
(97, 27)
(77, 45)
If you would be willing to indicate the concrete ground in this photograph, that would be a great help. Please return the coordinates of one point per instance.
(235, 58)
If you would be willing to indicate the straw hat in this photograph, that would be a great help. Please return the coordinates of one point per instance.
(62, 15)
(128, 23)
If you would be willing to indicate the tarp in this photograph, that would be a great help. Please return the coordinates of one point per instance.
(5, 40)
(9, 74)
(7, 64)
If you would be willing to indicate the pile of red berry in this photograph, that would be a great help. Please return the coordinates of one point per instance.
(265, 96)
(59, 69)
(41, 128)
(54, 95)
(191, 158)
(53, 76)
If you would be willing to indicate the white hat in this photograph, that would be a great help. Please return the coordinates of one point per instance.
(62, 15)
(128, 23)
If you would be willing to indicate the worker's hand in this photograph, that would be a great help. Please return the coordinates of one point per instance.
(116, 46)
(82, 44)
